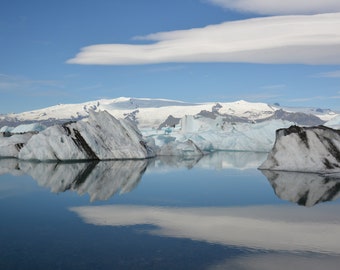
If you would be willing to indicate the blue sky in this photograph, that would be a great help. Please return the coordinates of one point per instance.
(62, 51)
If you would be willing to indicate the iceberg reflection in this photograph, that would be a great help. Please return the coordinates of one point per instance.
(305, 189)
(275, 228)
(10, 165)
(100, 180)
(215, 161)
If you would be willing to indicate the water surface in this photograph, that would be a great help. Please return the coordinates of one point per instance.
(215, 212)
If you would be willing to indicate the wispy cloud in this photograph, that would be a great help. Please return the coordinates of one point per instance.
(166, 68)
(273, 86)
(305, 39)
(279, 7)
(330, 74)
(307, 99)
(27, 86)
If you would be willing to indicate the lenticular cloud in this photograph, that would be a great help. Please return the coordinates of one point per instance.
(303, 39)
(279, 7)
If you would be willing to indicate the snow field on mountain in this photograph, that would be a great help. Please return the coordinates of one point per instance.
(152, 112)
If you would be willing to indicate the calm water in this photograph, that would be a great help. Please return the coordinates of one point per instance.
(218, 212)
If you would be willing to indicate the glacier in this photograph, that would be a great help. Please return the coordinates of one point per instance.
(163, 128)
(196, 134)
(152, 112)
(100, 137)
(305, 149)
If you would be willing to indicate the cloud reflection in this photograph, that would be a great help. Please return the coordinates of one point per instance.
(280, 262)
(275, 228)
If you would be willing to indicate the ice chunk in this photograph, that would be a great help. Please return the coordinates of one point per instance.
(100, 137)
(211, 135)
(10, 146)
(34, 127)
(306, 149)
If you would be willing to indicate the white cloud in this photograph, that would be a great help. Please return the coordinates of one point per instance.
(279, 7)
(312, 39)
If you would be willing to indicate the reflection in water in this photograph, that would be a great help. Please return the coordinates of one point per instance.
(103, 179)
(232, 160)
(280, 262)
(274, 228)
(252, 237)
(215, 161)
(10, 165)
(305, 189)
(100, 180)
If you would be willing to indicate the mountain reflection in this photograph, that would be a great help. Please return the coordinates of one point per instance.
(305, 189)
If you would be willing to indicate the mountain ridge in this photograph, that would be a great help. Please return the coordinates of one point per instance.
(149, 112)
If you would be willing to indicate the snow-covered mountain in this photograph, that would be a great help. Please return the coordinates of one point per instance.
(163, 127)
(153, 112)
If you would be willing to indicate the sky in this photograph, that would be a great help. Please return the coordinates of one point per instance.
(60, 51)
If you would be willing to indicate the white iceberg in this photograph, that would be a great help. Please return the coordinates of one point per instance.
(10, 146)
(210, 135)
(334, 122)
(306, 149)
(100, 137)
(6, 129)
(25, 128)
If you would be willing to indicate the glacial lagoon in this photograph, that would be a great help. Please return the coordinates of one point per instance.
(214, 212)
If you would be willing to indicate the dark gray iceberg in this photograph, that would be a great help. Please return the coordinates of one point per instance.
(305, 149)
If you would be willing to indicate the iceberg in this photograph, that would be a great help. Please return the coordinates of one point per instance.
(210, 135)
(100, 137)
(11, 145)
(6, 129)
(305, 149)
(334, 122)
(23, 128)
